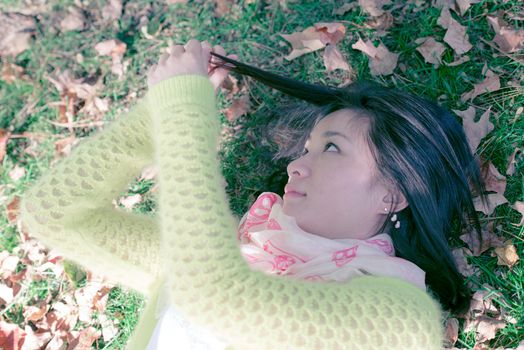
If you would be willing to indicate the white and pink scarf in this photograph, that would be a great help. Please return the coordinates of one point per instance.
(272, 242)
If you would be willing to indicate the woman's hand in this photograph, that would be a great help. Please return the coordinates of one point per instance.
(191, 58)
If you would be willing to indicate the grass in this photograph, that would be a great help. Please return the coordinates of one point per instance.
(251, 30)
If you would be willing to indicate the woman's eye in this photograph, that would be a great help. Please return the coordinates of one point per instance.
(329, 144)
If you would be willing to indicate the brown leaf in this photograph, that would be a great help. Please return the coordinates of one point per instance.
(457, 38)
(490, 83)
(303, 42)
(16, 32)
(486, 327)
(493, 179)
(373, 7)
(333, 59)
(464, 5)
(112, 11)
(493, 201)
(330, 33)
(11, 336)
(314, 38)
(507, 255)
(35, 313)
(475, 131)
(5, 135)
(85, 339)
(519, 206)
(431, 50)
(75, 20)
(366, 47)
(507, 39)
(459, 255)
(489, 239)
(444, 19)
(516, 156)
(12, 72)
(451, 335)
(345, 8)
(239, 107)
(458, 61)
(381, 23)
(381, 60)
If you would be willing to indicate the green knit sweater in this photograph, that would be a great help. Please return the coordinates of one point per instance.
(191, 244)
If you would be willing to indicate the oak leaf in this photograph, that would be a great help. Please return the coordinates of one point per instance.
(431, 50)
(493, 201)
(490, 83)
(381, 60)
(519, 206)
(314, 38)
(333, 59)
(507, 39)
(75, 20)
(456, 35)
(16, 32)
(475, 131)
(373, 7)
(506, 255)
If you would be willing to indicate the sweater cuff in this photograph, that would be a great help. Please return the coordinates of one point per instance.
(182, 89)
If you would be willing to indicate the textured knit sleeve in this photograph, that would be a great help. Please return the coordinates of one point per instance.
(213, 286)
(70, 207)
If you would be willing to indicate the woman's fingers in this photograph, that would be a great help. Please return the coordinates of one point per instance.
(163, 58)
(177, 50)
(193, 45)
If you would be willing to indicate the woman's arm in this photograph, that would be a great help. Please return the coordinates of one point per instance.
(69, 208)
(210, 282)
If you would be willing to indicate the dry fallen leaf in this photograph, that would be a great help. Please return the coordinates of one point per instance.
(486, 327)
(458, 61)
(381, 60)
(516, 156)
(314, 38)
(519, 206)
(239, 107)
(112, 11)
(494, 181)
(373, 7)
(116, 49)
(11, 72)
(75, 20)
(451, 335)
(455, 36)
(431, 50)
(490, 83)
(507, 255)
(507, 39)
(475, 131)
(130, 201)
(493, 201)
(333, 59)
(489, 239)
(16, 32)
(345, 8)
(460, 256)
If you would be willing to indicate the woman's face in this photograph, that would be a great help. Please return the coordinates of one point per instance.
(336, 175)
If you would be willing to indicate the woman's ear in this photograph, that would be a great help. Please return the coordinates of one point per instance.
(396, 200)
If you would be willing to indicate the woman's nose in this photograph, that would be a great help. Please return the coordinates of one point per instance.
(297, 169)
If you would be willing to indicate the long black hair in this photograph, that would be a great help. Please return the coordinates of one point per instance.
(417, 145)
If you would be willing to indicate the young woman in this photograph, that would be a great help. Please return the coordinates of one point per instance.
(377, 179)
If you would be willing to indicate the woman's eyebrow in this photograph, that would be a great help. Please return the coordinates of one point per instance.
(332, 133)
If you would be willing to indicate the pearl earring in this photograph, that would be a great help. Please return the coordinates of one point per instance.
(394, 218)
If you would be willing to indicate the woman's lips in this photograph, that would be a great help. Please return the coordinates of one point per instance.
(291, 193)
